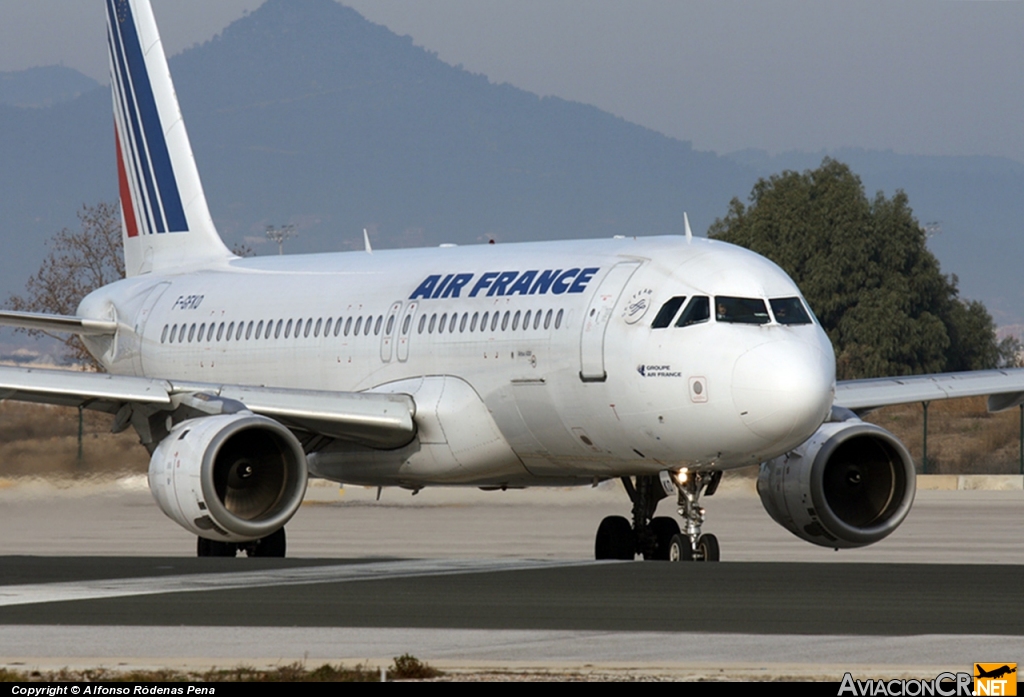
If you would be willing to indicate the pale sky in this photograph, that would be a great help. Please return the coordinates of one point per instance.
(940, 77)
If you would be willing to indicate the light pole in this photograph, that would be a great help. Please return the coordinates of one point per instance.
(280, 234)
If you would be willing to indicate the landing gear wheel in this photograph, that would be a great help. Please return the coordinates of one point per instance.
(615, 539)
(273, 545)
(214, 548)
(707, 548)
(679, 548)
(664, 530)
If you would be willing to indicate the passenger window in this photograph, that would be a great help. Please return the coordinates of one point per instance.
(699, 310)
(238, 332)
(288, 329)
(668, 312)
(319, 323)
(376, 325)
(391, 325)
(451, 325)
(443, 323)
(191, 333)
(483, 322)
(547, 320)
(472, 325)
(494, 320)
(309, 326)
(163, 337)
(259, 329)
(789, 311)
(359, 325)
(462, 324)
(741, 310)
(406, 324)
(231, 330)
(526, 320)
(558, 319)
(348, 325)
(277, 329)
(202, 329)
(536, 319)
(515, 321)
(504, 321)
(423, 323)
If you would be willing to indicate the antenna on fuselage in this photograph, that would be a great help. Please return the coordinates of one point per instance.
(366, 241)
(686, 226)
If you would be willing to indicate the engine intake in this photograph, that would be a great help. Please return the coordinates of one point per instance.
(231, 477)
(850, 485)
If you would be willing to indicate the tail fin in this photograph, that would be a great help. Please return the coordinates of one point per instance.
(165, 220)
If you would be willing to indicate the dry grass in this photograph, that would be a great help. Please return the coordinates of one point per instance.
(405, 667)
(963, 438)
(42, 440)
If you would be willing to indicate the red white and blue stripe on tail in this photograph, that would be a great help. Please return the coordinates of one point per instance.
(140, 136)
(158, 182)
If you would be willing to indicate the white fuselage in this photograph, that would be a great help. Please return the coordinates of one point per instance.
(567, 382)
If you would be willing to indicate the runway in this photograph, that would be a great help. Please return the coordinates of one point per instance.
(537, 602)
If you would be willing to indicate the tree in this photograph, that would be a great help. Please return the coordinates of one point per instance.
(77, 263)
(864, 267)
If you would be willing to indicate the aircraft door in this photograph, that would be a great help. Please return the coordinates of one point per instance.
(597, 317)
(390, 330)
(405, 331)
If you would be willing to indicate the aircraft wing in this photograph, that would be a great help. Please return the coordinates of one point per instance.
(1004, 389)
(374, 419)
(57, 323)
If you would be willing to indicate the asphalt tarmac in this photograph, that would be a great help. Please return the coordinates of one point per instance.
(95, 575)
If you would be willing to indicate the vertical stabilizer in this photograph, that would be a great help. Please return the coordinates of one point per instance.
(166, 223)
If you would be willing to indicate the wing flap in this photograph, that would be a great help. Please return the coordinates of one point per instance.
(373, 419)
(1003, 387)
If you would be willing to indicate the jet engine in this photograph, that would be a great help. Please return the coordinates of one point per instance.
(850, 485)
(231, 477)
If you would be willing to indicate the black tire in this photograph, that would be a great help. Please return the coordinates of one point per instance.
(214, 548)
(679, 548)
(707, 547)
(664, 529)
(273, 545)
(615, 539)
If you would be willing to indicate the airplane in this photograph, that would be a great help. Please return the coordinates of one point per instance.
(658, 361)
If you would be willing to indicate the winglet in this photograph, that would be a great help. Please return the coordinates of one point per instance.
(366, 241)
(686, 225)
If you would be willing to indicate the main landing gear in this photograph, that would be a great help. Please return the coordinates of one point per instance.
(273, 545)
(659, 538)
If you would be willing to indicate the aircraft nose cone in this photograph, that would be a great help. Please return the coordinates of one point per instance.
(783, 390)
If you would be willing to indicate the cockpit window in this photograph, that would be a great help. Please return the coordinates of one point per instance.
(699, 310)
(741, 310)
(789, 311)
(668, 312)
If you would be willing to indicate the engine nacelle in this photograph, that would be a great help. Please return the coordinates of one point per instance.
(850, 485)
(231, 477)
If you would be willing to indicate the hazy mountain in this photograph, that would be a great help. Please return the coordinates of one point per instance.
(44, 86)
(303, 112)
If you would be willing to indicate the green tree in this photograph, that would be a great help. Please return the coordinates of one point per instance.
(865, 270)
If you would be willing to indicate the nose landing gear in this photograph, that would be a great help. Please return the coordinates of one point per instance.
(660, 538)
(694, 545)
